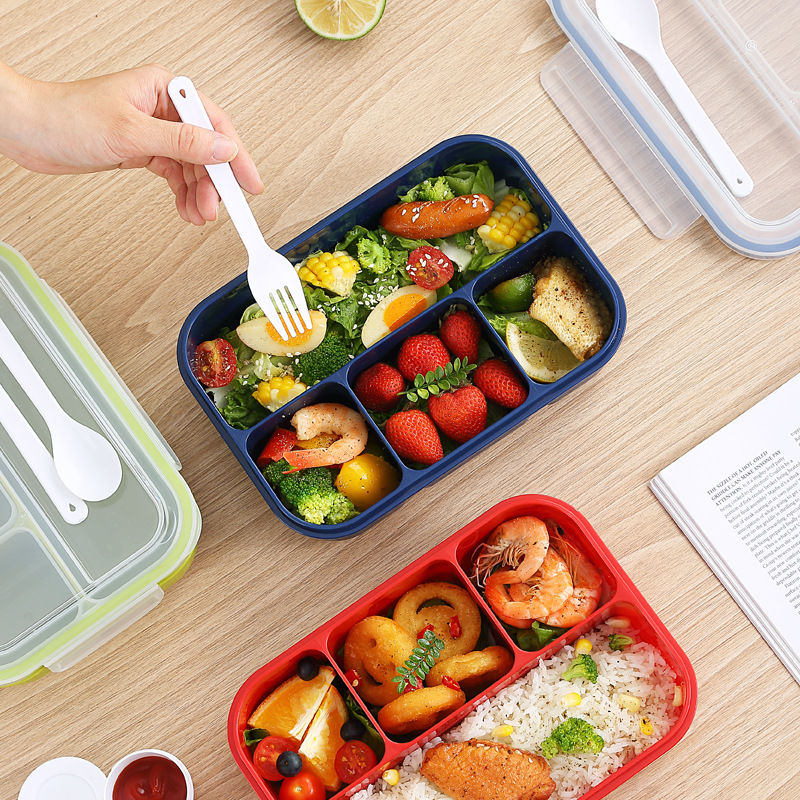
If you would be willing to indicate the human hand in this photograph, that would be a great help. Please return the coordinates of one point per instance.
(122, 120)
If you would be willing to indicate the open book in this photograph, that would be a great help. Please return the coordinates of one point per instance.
(736, 496)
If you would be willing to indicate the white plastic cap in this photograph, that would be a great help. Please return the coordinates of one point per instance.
(64, 778)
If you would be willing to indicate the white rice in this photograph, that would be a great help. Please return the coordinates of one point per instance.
(532, 705)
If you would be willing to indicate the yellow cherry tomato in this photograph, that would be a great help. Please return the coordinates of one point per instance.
(367, 479)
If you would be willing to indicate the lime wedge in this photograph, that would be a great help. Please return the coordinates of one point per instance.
(340, 19)
(544, 360)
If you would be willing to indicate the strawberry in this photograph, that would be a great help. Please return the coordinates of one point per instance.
(500, 383)
(421, 354)
(461, 335)
(460, 414)
(414, 436)
(379, 387)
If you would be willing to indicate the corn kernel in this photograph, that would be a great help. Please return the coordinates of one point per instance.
(508, 225)
(618, 622)
(391, 776)
(335, 272)
(677, 698)
(646, 726)
(502, 731)
(524, 204)
(629, 702)
(571, 700)
(583, 646)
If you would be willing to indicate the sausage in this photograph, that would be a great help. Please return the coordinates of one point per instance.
(435, 219)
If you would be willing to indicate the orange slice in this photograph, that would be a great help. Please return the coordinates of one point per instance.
(323, 739)
(289, 710)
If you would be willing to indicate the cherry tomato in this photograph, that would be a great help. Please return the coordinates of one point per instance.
(303, 786)
(281, 440)
(353, 760)
(266, 754)
(214, 363)
(429, 267)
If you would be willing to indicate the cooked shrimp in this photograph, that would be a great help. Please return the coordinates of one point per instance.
(346, 423)
(547, 590)
(520, 543)
(587, 583)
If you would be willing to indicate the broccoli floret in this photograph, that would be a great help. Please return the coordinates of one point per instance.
(309, 493)
(341, 510)
(317, 364)
(582, 666)
(430, 189)
(574, 735)
(273, 472)
(372, 256)
(618, 641)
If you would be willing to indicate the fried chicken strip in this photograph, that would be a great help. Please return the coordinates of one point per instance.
(479, 770)
(564, 301)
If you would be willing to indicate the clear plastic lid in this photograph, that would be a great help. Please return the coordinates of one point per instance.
(67, 586)
(737, 58)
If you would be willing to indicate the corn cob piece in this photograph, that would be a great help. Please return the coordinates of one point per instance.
(511, 223)
(335, 272)
(278, 391)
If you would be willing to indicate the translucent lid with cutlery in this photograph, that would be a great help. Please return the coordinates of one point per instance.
(95, 519)
(692, 109)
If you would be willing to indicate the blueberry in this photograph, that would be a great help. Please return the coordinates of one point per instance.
(289, 764)
(307, 668)
(352, 729)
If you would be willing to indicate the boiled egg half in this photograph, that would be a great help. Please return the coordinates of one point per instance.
(260, 334)
(395, 310)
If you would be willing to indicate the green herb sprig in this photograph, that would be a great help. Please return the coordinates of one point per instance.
(442, 379)
(423, 657)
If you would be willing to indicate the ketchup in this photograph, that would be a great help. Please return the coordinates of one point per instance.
(150, 778)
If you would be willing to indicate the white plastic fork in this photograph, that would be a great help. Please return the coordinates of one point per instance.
(273, 280)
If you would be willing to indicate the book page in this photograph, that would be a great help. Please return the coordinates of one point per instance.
(737, 498)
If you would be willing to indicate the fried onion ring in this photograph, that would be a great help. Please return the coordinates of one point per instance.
(458, 603)
(420, 709)
(473, 671)
(375, 647)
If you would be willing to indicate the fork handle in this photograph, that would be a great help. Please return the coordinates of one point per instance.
(190, 109)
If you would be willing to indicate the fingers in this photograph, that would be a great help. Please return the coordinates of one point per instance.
(244, 168)
(195, 197)
(183, 142)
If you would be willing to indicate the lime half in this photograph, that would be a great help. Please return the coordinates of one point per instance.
(544, 360)
(340, 19)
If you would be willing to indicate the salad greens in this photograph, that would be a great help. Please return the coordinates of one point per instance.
(382, 258)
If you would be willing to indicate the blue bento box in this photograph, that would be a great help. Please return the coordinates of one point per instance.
(223, 309)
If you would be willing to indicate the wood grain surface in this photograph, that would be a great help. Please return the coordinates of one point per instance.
(709, 333)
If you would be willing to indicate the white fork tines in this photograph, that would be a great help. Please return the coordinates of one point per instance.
(272, 278)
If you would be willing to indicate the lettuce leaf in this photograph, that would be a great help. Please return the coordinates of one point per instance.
(241, 409)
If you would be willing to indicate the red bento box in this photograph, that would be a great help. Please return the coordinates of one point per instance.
(451, 561)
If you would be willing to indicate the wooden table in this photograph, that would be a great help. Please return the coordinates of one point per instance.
(709, 333)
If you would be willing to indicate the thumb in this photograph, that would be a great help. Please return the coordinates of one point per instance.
(183, 142)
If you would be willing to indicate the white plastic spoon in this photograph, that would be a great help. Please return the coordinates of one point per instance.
(72, 509)
(635, 24)
(85, 461)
